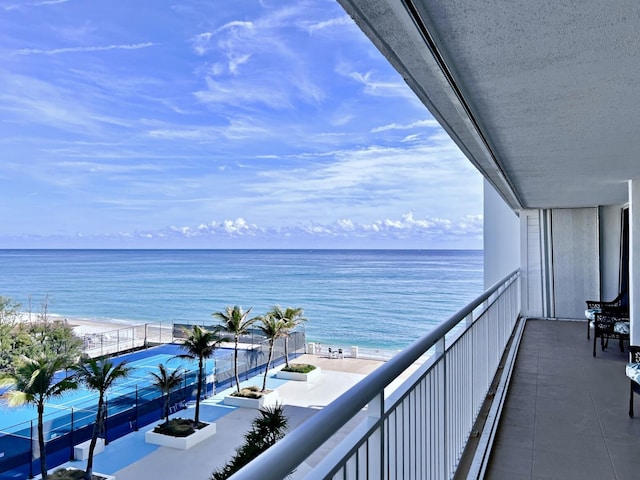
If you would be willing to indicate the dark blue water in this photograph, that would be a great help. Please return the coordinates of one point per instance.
(381, 299)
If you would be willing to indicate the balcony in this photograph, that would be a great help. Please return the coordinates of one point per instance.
(551, 411)
(566, 412)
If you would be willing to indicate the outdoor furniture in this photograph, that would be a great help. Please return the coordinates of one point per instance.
(633, 372)
(610, 325)
(620, 303)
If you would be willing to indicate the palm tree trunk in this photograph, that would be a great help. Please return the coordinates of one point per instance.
(264, 381)
(235, 364)
(286, 350)
(196, 417)
(97, 428)
(43, 455)
(166, 407)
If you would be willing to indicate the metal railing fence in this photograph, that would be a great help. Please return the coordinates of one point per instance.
(128, 409)
(420, 430)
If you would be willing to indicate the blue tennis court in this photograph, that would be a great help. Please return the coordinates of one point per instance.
(81, 404)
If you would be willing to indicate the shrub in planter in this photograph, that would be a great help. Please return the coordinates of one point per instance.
(299, 368)
(250, 392)
(269, 427)
(64, 474)
(179, 427)
(74, 474)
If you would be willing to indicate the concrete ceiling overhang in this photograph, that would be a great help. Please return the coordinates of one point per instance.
(542, 97)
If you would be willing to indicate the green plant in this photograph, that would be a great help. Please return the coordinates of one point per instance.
(273, 328)
(269, 427)
(200, 345)
(33, 380)
(292, 317)
(72, 474)
(299, 368)
(166, 382)
(250, 392)
(235, 322)
(64, 474)
(179, 427)
(99, 376)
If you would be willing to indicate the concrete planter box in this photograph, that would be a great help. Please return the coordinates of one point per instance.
(181, 443)
(81, 451)
(269, 399)
(300, 377)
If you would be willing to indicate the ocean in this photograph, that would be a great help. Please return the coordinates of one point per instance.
(374, 299)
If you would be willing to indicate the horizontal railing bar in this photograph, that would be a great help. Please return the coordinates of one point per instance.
(285, 456)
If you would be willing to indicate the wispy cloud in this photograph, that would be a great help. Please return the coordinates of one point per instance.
(429, 122)
(333, 22)
(17, 6)
(281, 116)
(97, 48)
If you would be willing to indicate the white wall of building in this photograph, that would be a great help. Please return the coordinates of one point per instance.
(610, 228)
(634, 259)
(501, 234)
(575, 260)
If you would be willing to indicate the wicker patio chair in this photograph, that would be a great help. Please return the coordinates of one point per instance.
(618, 304)
(632, 371)
(610, 325)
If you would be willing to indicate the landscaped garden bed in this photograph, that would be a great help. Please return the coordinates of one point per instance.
(252, 397)
(299, 372)
(180, 433)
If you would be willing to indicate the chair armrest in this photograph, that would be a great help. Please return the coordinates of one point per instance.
(616, 302)
(634, 354)
(594, 304)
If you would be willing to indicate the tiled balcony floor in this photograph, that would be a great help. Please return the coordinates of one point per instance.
(566, 414)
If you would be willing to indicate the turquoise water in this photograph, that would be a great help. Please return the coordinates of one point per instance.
(382, 299)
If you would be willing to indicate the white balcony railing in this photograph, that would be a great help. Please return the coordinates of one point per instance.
(419, 430)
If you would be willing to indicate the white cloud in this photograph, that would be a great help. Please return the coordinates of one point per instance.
(235, 24)
(344, 20)
(33, 4)
(419, 124)
(201, 43)
(404, 232)
(373, 85)
(98, 48)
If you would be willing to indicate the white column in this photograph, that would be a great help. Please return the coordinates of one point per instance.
(634, 259)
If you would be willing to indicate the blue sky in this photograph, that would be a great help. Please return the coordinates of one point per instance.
(217, 124)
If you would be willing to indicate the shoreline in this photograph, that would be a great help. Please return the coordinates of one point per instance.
(87, 326)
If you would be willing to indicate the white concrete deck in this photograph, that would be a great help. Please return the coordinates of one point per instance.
(129, 458)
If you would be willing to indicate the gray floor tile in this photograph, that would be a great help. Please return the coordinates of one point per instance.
(566, 412)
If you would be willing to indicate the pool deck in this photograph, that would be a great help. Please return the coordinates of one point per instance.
(130, 458)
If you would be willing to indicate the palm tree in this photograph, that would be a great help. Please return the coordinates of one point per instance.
(266, 431)
(99, 375)
(166, 382)
(200, 345)
(235, 322)
(34, 381)
(273, 328)
(292, 318)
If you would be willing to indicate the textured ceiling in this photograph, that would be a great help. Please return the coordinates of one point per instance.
(543, 97)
